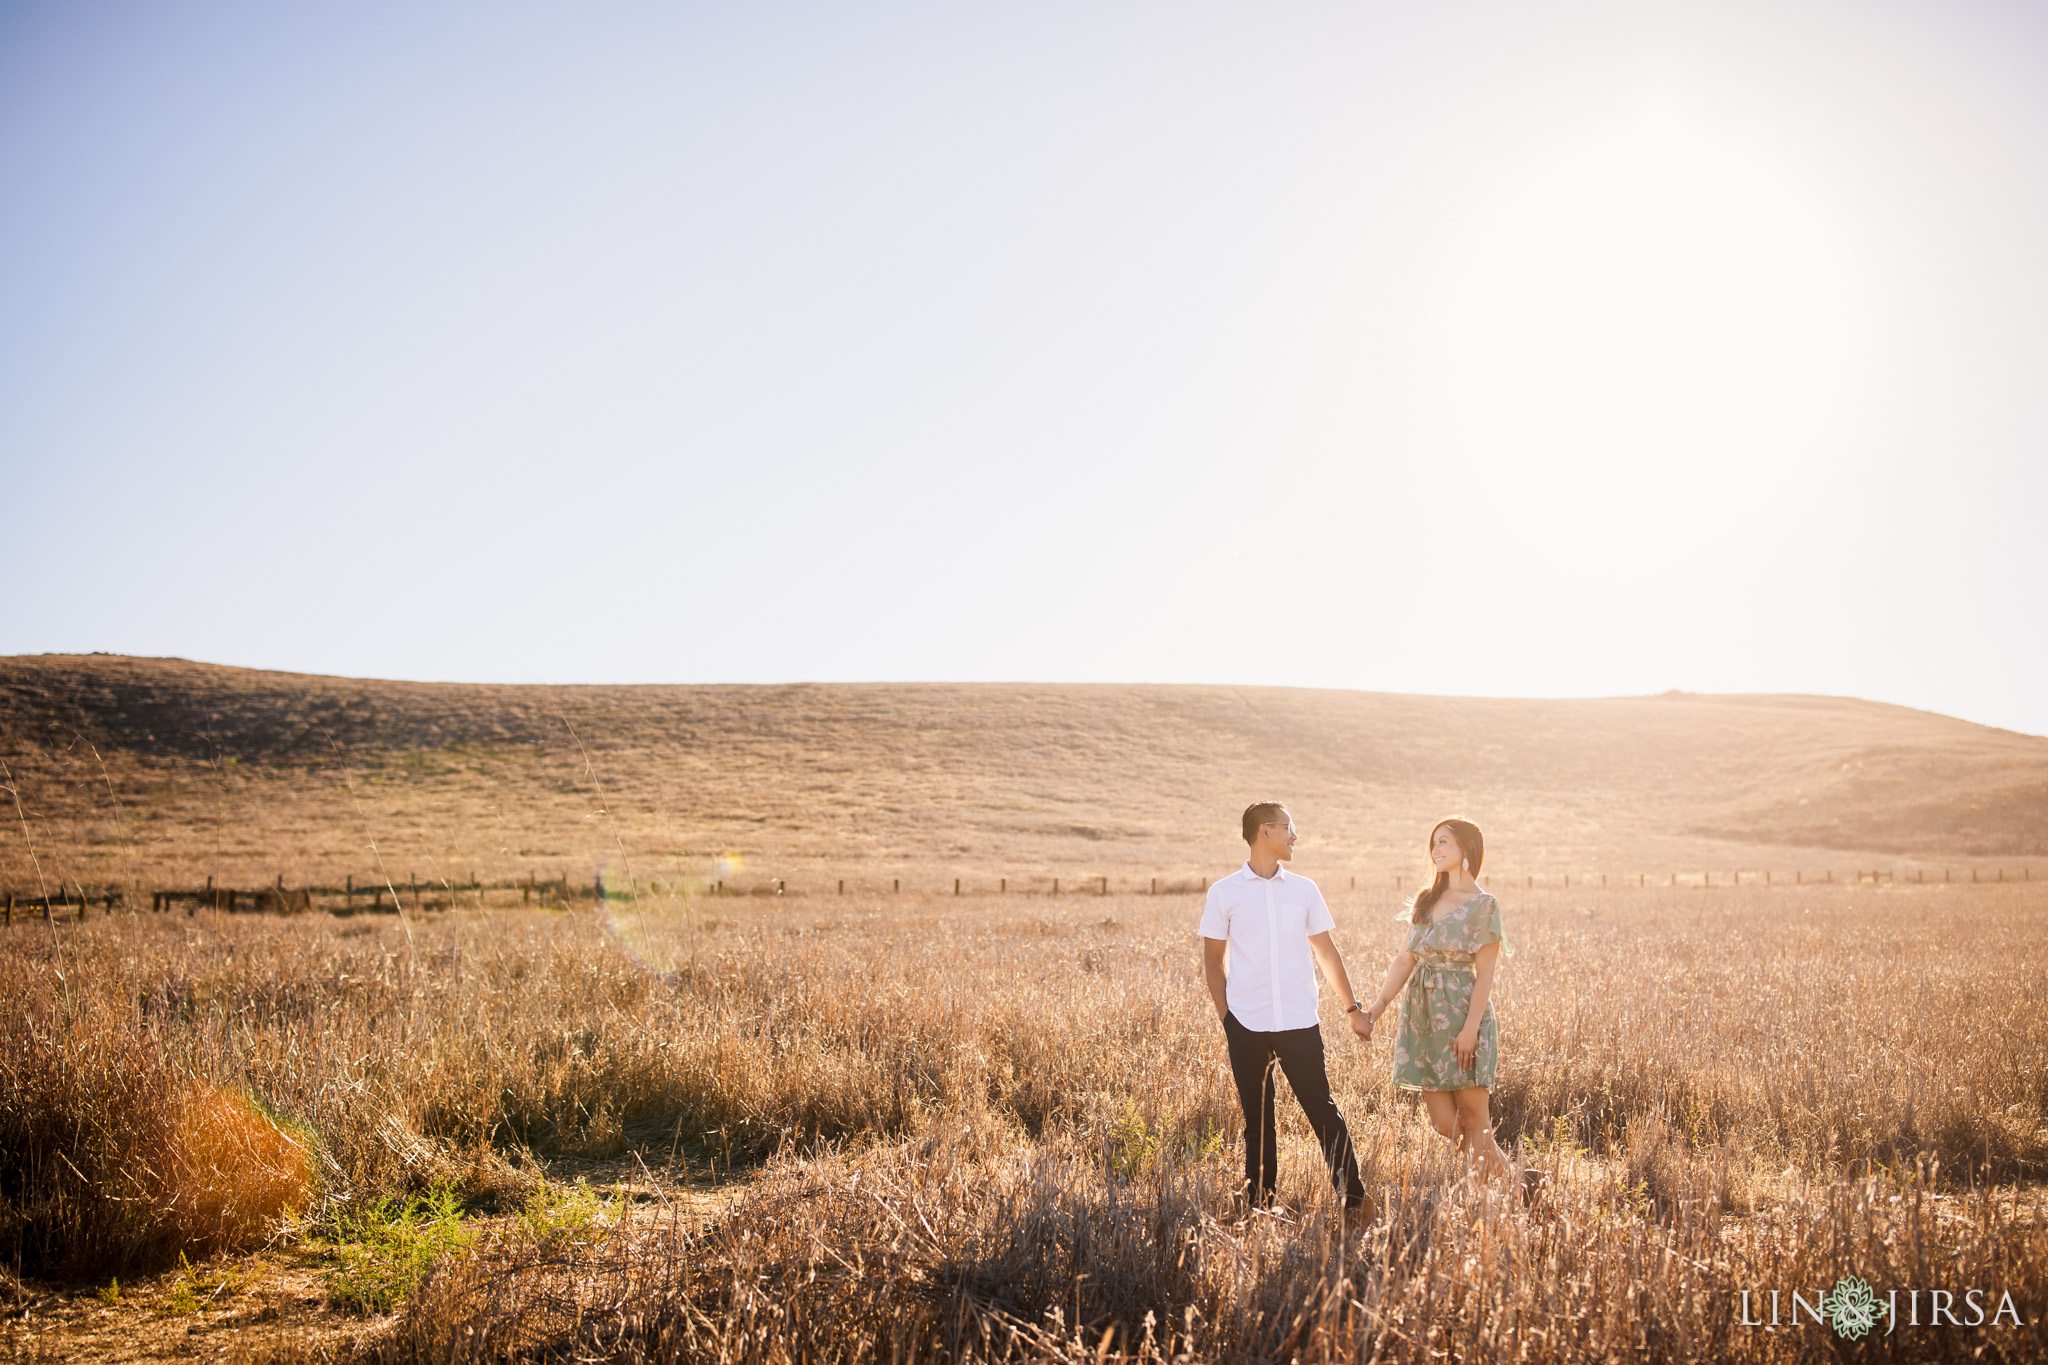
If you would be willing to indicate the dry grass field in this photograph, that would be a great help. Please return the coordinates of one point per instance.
(1001, 1127)
(872, 1126)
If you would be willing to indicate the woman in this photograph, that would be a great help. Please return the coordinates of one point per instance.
(1447, 1045)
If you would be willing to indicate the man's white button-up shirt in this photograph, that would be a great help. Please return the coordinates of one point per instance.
(1267, 921)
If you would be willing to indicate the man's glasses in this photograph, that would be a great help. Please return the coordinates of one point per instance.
(1287, 825)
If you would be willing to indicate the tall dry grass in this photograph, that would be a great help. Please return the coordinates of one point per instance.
(988, 1110)
(973, 1246)
(111, 1158)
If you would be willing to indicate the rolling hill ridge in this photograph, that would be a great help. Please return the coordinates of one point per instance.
(158, 767)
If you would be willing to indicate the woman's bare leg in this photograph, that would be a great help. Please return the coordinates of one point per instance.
(1447, 1119)
(1443, 1112)
(1476, 1126)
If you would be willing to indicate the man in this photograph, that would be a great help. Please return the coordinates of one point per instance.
(1259, 928)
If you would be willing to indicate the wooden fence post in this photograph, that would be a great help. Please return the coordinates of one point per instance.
(895, 885)
(956, 886)
(1105, 886)
(1003, 886)
(1155, 884)
(1055, 886)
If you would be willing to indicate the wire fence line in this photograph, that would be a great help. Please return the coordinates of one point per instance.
(372, 895)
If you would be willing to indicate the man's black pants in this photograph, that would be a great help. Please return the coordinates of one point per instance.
(1300, 1054)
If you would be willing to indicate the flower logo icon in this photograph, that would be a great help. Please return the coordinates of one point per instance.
(1851, 1308)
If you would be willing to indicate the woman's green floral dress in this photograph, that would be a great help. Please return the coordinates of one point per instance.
(1439, 994)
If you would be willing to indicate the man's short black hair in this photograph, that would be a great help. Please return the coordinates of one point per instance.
(1259, 813)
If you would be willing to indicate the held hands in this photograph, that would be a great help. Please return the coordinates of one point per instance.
(1362, 1021)
(1465, 1046)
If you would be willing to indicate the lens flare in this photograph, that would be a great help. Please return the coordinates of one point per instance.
(652, 922)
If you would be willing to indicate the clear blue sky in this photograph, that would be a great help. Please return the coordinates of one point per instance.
(1517, 349)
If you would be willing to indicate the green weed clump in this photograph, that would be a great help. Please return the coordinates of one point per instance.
(192, 1290)
(390, 1247)
(568, 1213)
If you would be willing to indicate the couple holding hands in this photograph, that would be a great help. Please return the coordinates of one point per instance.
(1259, 929)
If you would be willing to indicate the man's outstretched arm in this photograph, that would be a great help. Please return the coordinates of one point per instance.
(1333, 967)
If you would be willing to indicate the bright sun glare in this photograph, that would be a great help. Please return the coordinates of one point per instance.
(1656, 324)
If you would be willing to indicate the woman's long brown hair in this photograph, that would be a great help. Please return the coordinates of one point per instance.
(1471, 845)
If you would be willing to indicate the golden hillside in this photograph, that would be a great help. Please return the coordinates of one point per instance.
(135, 769)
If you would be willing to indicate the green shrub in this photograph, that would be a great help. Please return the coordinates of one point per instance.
(553, 1213)
(386, 1250)
(193, 1290)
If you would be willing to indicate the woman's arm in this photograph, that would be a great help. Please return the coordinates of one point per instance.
(1398, 972)
(1466, 1044)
